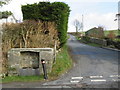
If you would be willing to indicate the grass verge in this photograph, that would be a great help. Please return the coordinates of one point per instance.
(93, 44)
(88, 43)
(63, 64)
(22, 79)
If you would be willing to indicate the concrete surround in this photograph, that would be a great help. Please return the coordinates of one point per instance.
(27, 61)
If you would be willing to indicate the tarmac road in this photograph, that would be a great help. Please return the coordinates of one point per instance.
(93, 68)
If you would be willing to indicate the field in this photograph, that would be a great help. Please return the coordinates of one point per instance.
(108, 31)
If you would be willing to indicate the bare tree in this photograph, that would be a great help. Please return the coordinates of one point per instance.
(78, 25)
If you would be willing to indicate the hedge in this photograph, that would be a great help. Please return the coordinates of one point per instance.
(46, 11)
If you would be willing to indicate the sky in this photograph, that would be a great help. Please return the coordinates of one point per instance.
(95, 12)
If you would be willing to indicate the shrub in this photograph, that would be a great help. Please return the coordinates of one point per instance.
(111, 35)
(114, 42)
(46, 11)
(87, 39)
(118, 36)
(117, 44)
(109, 42)
(30, 33)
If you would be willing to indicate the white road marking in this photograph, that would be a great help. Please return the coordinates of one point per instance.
(114, 75)
(77, 77)
(116, 79)
(96, 76)
(98, 80)
(74, 81)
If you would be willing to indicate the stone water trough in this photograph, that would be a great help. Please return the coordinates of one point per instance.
(27, 61)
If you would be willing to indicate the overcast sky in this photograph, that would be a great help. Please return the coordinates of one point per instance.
(96, 12)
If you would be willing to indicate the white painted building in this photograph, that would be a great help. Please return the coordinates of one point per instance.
(118, 15)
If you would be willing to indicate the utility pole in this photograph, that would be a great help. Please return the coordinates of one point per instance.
(118, 17)
(82, 23)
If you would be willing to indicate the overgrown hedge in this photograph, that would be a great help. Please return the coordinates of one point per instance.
(46, 11)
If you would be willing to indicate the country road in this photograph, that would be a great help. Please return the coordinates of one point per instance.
(93, 68)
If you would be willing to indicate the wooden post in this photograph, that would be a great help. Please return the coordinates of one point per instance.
(1, 61)
(55, 52)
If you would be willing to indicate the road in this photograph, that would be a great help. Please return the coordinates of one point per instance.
(93, 68)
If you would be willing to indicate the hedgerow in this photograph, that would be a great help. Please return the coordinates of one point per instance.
(46, 11)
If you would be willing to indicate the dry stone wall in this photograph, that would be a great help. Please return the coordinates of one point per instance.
(98, 41)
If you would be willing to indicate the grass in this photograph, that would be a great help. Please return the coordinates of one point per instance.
(22, 79)
(88, 43)
(63, 64)
(77, 38)
(93, 44)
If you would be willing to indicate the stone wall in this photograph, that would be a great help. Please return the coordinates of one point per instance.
(98, 41)
(27, 61)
